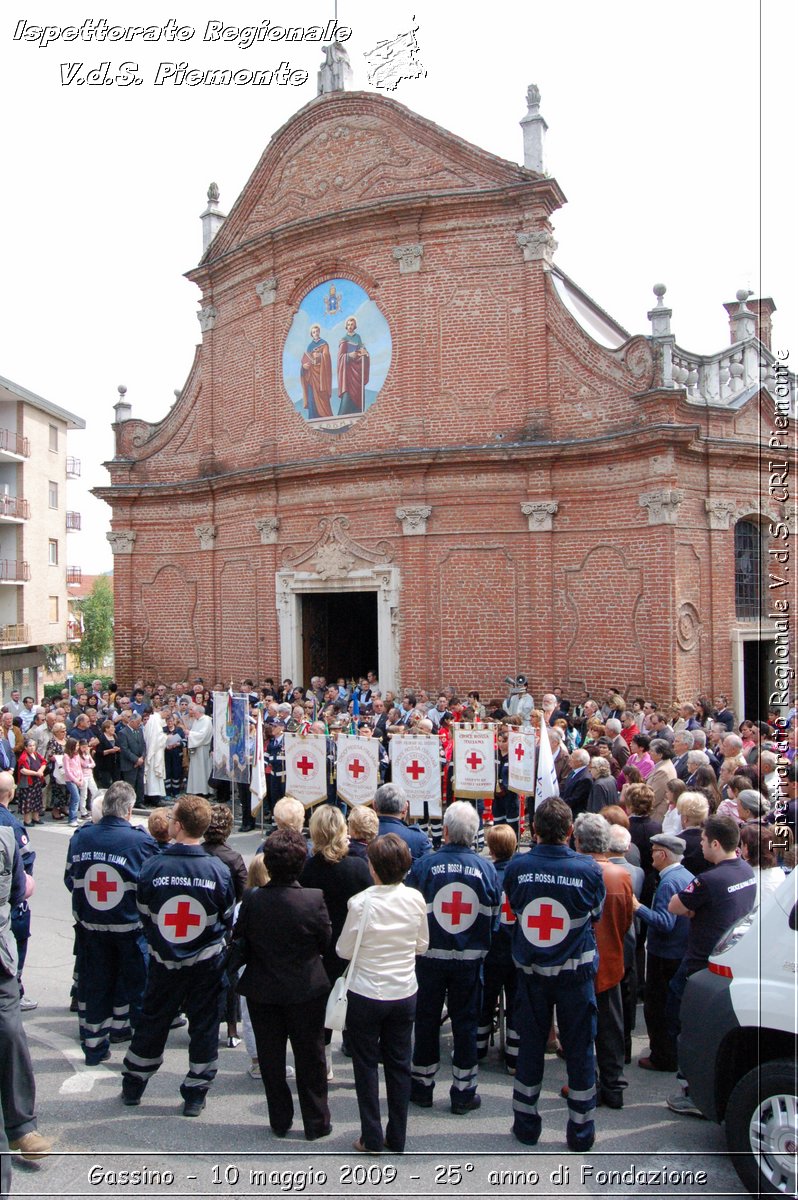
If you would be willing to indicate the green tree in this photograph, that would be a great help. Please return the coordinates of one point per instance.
(98, 624)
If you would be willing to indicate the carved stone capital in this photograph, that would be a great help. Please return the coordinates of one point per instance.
(207, 318)
(122, 540)
(540, 514)
(720, 513)
(409, 257)
(267, 528)
(538, 246)
(267, 290)
(414, 520)
(663, 506)
(206, 535)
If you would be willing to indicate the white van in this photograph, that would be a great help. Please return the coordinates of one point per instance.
(737, 1048)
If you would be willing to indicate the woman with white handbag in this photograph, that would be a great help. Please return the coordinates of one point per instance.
(386, 927)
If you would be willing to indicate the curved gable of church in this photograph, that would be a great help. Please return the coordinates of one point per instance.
(351, 150)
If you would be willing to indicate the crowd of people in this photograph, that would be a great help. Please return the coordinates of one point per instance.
(659, 830)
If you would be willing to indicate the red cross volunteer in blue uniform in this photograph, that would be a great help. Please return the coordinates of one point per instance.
(103, 865)
(463, 895)
(557, 895)
(186, 899)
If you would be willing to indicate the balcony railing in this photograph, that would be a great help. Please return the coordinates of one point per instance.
(14, 507)
(14, 443)
(73, 468)
(14, 635)
(13, 572)
(73, 520)
(74, 631)
(74, 575)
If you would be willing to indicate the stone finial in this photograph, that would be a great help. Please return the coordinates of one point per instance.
(742, 321)
(540, 514)
(267, 290)
(720, 512)
(121, 540)
(409, 257)
(207, 318)
(538, 246)
(212, 218)
(123, 410)
(414, 520)
(534, 128)
(335, 74)
(267, 528)
(660, 315)
(663, 507)
(206, 535)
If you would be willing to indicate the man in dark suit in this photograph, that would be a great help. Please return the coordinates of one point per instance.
(391, 806)
(380, 720)
(682, 745)
(577, 786)
(132, 752)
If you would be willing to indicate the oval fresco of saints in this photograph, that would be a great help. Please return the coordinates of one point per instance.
(337, 355)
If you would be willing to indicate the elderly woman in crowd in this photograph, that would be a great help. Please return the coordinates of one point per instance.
(106, 756)
(693, 810)
(286, 930)
(382, 990)
(340, 876)
(363, 825)
(56, 747)
(603, 790)
(639, 800)
(756, 847)
(31, 768)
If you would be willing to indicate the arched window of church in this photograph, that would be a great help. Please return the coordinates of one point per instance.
(748, 570)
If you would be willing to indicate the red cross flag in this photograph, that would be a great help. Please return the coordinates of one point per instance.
(545, 922)
(521, 762)
(456, 907)
(306, 767)
(358, 768)
(474, 763)
(182, 919)
(103, 886)
(416, 768)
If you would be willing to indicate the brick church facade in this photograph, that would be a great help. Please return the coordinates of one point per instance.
(512, 482)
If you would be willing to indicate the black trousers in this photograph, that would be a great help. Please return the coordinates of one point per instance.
(303, 1025)
(663, 1048)
(135, 778)
(381, 1030)
(609, 1046)
(17, 1084)
(107, 963)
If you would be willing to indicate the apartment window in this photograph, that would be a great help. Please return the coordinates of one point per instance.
(52, 552)
(53, 610)
(52, 494)
(54, 437)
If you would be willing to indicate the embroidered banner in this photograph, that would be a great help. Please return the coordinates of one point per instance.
(521, 761)
(358, 773)
(416, 768)
(306, 767)
(474, 763)
(230, 733)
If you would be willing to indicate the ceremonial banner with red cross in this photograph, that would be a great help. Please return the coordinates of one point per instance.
(474, 763)
(357, 768)
(521, 761)
(416, 768)
(306, 767)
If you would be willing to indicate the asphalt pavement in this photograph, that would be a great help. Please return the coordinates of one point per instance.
(104, 1149)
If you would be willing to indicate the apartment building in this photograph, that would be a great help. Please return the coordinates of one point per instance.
(34, 522)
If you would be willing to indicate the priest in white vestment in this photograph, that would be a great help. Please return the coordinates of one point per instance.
(199, 752)
(154, 765)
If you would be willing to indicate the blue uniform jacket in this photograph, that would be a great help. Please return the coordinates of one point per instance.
(556, 895)
(667, 933)
(20, 834)
(463, 895)
(416, 840)
(186, 899)
(102, 868)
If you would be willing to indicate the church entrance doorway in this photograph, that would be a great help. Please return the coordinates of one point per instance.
(759, 681)
(339, 634)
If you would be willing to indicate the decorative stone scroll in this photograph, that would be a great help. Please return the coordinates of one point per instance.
(541, 514)
(267, 290)
(121, 540)
(206, 535)
(267, 528)
(720, 513)
(538, 246)
(409, 257)
(414, 520)
(663, 507)
(207, 318)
